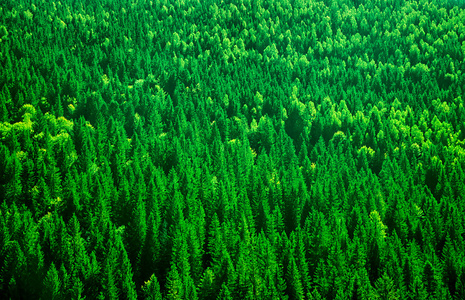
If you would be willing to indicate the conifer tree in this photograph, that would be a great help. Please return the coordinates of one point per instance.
(52, 284)
(151, 289)
(14, 189)
(174, 284)
(295, 288)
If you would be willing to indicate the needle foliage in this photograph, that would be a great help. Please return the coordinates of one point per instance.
(234, 149)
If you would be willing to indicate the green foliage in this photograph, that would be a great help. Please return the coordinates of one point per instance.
(151, 289)
(242, 149)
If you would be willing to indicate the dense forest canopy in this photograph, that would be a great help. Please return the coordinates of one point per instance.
(234, 149)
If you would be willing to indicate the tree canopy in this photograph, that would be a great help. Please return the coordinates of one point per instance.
(232, 149)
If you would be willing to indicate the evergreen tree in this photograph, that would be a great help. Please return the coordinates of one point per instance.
(52, 284)
(151, 289)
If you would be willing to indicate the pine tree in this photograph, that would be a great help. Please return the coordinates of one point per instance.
(35, 257)
(295, 288)
(14, 188)
(109, 280)
(6, 106)
(52, 284)
(174, 284)
(58, 107)
(151, 289)
(137, 233)
(206, 286)
(385, 288)
(225, 293)
(128, 288)
(4, 115)
(71, 196)
(195, 247)
(13, 264)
